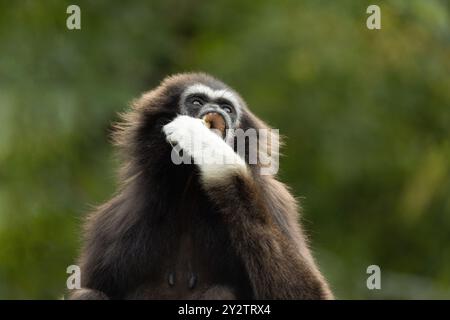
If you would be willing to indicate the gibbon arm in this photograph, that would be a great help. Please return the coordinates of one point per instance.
(276, 267)
(274, 263)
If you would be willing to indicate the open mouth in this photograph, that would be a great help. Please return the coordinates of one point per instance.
(215, 122)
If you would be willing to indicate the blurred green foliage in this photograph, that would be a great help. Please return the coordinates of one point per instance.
(366, 116)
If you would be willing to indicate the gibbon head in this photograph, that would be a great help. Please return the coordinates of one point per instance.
(196, 95)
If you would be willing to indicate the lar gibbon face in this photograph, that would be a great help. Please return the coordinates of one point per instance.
(220, 109)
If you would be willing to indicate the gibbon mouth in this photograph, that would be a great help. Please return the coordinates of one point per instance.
(216, 122)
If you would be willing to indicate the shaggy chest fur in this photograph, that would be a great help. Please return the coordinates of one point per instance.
(195, 255)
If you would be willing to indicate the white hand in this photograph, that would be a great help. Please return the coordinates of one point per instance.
(213, 155)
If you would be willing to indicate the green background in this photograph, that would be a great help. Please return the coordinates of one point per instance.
(365, 113)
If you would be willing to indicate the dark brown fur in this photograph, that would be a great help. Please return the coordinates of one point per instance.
(164, 235)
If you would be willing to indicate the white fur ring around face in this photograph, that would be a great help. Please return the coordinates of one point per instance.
(213, 155)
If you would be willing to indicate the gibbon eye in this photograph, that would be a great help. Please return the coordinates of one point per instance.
(227, 108)
(197, 102)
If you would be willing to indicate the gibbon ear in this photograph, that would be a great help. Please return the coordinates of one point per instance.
(269, 144)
